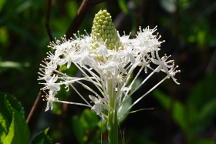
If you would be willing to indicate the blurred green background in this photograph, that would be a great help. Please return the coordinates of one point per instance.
(184, 114)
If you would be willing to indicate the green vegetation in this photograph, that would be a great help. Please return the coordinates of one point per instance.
(184, 114)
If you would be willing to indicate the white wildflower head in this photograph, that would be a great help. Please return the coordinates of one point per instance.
(107, 61)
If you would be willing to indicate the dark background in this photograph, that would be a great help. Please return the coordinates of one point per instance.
(181, 114)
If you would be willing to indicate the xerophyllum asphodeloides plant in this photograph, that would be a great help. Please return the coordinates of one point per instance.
(107, 61)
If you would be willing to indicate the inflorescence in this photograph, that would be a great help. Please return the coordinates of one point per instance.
(106, 60)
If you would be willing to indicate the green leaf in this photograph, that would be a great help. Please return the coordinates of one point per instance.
(179, 115)
(62, 94)
(178, 110)
(85, 127)
(123, 6)
(89, 119)
(203, 92)
(78, 129)
(2, 2)
(5, 116)
(12, 121)
(136, 83)
(72, 8)
(164, 100)
(207, 112)
(15, 104)
(122, 114)
(18, 131)
(201, 103)
(42, 138)
(4, 36)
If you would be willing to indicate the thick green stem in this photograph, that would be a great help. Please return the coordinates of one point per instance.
(113, 128)
(112, 118)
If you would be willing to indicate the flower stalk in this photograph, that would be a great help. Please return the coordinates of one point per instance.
(112, 122)
(113, 127)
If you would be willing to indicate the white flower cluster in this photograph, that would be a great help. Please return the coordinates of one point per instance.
(109, 70)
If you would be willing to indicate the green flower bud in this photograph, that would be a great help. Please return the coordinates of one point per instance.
(103, 30)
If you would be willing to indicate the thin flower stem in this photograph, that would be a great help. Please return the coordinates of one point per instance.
(140, 98)
(97, 84)
(79, 94)
(129, 88)
(71, 81)
(89, 89)
(128, 77)
(74, 103)
(78, 80)
(155, 70)
(92, 73)
(130, 72)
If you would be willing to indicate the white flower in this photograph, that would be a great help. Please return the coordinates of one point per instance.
(107, 61)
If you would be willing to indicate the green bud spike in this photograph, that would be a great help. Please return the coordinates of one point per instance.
(103, 30)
